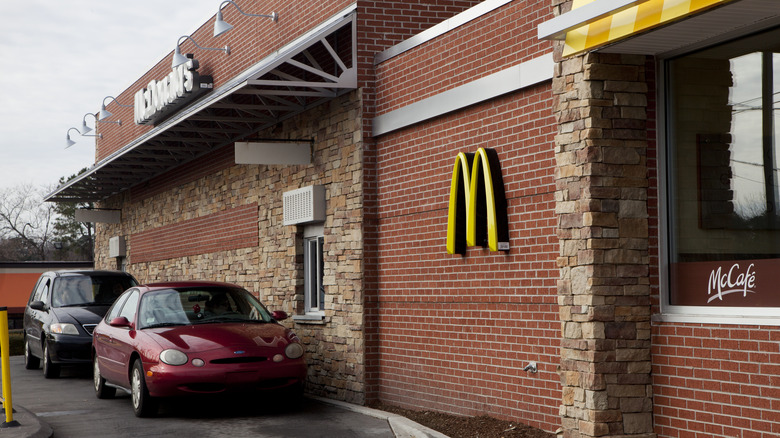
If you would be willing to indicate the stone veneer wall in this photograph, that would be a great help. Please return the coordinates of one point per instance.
(273, 269)
(604, 288)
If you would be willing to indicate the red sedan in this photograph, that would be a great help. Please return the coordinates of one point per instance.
(174, 339)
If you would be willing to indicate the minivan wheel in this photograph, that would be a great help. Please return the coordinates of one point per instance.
(30, 362)
(50, 369)
(143, 404)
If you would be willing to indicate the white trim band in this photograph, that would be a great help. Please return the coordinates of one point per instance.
(505, 81)
(440, 29)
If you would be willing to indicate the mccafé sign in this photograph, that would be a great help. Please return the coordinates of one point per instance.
(477, 210)
(162, 98)
(734, 283)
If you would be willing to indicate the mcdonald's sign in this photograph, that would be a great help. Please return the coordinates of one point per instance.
(477, 210)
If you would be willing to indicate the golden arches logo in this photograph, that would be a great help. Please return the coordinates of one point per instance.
(477, 209)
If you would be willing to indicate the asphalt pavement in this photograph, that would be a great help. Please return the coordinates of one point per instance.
(67, 407)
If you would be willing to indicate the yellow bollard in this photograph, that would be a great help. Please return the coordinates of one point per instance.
(5, 363)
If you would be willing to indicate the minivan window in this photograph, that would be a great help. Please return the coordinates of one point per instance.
(80, 290)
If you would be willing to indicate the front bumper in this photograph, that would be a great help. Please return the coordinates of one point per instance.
(69, 349)
(170, 381)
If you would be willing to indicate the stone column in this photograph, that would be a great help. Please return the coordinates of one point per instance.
(604, 287)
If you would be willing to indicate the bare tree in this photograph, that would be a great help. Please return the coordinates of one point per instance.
(26, 222)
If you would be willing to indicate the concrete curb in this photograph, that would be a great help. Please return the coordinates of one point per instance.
(30, 426)
(402, 427)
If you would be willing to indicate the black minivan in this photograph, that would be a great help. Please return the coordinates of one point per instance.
(64, 308)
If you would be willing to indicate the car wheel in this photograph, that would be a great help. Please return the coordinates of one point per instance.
(50, 369)
(30, 362)
(143, 404)
(101, 390)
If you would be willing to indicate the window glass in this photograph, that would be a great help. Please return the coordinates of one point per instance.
(724, 210)
(128, 310)
(313, 273)
(113, 312)
(82, 290)
(41, 290)
(200, 305)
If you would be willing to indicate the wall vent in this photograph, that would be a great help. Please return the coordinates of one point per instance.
(304, 205)
(117, 247)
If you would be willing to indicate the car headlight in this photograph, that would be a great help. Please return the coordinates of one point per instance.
(294, 350)
(173, 357)
(63, 328)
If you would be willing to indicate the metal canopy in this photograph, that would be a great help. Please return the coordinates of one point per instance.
(311, 70)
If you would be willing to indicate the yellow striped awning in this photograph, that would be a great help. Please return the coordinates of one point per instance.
(644, 16)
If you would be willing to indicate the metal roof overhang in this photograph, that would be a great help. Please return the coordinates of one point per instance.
(702, 30)
(315, 68)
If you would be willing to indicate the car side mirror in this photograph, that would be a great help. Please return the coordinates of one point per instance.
(38, 305)
(279, 315)
(120, 321)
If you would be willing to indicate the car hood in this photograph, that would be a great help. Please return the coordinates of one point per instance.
(81, 315)
(205, 337)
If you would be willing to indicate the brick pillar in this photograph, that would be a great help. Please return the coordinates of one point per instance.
(604, 287)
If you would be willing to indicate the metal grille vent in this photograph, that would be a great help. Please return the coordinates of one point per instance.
(304, 205)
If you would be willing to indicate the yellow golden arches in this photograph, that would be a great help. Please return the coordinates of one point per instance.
(477, 209)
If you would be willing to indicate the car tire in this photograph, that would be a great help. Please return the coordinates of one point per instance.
(101, 389)
(30, 362)
(143, 404)
(50, 369)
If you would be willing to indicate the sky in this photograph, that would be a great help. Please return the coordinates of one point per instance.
(59, 59)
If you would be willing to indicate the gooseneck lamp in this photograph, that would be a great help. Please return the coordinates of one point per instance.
(221, 26)
(179, 59)
(104, 113)
(69, 142)
(84, 128)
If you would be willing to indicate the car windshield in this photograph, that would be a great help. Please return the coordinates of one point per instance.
(86, 290)
(199, 305)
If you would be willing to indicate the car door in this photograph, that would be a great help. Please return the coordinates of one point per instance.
(103, 340)
(114, 344)
(34, 319)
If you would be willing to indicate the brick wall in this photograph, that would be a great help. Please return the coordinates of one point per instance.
(232, 228)
(485, 45)
(714, 380)
(449, 332)
(453, 333)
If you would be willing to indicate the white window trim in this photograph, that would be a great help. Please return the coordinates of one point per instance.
(312, 231)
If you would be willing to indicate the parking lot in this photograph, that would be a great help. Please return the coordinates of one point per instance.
(69, 406)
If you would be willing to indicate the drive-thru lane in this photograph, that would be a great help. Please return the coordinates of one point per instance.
(69, 406)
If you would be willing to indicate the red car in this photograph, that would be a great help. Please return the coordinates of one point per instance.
(184, 338)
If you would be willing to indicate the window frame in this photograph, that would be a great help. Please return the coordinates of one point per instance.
(684, 313)
(313, 236)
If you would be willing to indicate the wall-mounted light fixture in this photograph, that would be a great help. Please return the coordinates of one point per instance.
(69, 142)
(220, 26)
(84, 128)
(104, 113)
(179, 59)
